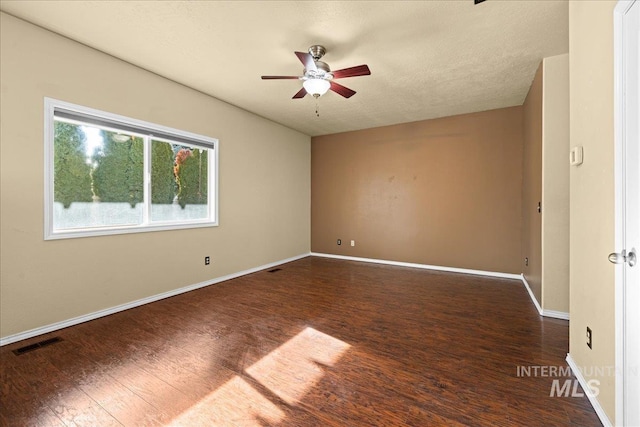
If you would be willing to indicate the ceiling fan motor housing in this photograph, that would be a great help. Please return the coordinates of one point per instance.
(323, 71)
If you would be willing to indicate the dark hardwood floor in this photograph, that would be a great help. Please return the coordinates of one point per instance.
(321, 342)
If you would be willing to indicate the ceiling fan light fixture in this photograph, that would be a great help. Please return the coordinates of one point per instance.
(316, 86)
(317, 76)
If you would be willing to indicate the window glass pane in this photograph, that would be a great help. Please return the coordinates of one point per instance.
(72, 176)
(118, 178)
(179, 181)
(98, 177)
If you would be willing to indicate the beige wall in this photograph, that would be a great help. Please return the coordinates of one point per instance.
(264, 186)
(555, 184)
(532, 186)
(545, 235)
(442, 192)
(592, 192)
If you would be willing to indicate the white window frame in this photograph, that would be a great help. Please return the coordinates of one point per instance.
(148, 131)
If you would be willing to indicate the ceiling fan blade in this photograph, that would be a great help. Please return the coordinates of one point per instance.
(359, 70)
(301, 93)
(307, 61)
(279, 77)
(341, 90)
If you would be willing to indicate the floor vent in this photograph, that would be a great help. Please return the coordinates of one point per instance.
(273, 270)
(35, 346)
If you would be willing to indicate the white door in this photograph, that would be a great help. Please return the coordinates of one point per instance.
(627, 53)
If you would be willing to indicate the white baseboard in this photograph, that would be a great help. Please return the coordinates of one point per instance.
(555, 314)
(423, 266)
(107, 311)
(533, 297)
(543, 312)
(606, 422)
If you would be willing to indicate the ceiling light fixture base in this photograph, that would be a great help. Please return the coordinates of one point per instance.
(317, 51)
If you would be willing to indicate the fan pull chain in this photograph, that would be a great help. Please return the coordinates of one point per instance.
(317, 107)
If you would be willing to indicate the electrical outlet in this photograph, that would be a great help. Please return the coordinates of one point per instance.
(207, 260)
(589, 338)
(526, 262)
(339, 242)
(353, 243)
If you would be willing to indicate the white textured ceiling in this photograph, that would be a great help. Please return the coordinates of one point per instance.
(427, 58)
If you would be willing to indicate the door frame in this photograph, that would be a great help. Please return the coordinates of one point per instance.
(619, 172)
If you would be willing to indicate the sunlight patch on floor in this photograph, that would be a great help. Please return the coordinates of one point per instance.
(289, 372)
(234, 403)
(293, 368)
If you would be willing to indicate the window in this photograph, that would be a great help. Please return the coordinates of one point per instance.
(108, 174)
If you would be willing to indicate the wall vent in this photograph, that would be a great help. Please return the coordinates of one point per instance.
(35, 346)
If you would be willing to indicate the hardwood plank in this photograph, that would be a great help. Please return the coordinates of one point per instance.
(18, 406)
(319, 343)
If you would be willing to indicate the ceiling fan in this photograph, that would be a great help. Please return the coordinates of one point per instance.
(318, 78)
